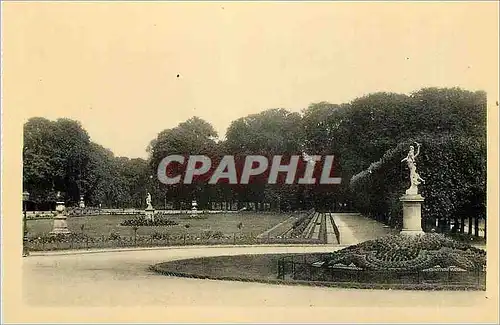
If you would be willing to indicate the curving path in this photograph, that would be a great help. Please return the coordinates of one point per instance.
(122, 278)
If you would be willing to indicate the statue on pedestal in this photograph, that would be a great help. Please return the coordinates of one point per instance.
(415, 178)
(60, 219)
(150, 211)
(194, 208)
(412, 201)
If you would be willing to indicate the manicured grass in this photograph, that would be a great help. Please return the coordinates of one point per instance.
(280, 229)
(256, 267)
(104, 225)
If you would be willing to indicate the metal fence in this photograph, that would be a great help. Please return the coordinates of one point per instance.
(289, 268)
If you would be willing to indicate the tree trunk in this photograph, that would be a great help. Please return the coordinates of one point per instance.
(455, 225)
(476, 226)
(470, 226)
(485, 229)
(462, 225)
(443, 225)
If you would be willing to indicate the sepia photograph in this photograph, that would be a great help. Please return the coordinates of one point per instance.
(249, 162)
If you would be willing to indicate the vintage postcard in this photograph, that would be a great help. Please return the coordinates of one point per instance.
(326, 162)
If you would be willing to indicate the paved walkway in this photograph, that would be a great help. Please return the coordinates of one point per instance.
(355, 228)
(122, 279)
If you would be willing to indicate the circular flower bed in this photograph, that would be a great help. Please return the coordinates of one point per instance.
(409, 253)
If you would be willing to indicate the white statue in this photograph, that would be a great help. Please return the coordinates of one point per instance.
(415, 178)
(308, 159)
(150, 213)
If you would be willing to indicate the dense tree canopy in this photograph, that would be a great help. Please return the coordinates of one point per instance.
(192, 137)
(274, 131)
(59, 157)
(271, 132)
(450, 122)
(56, 157)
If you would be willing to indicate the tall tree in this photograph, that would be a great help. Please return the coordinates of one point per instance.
(271, 132)
(192, 137)
(55, 157)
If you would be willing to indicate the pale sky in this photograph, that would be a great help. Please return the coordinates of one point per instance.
(114, 66)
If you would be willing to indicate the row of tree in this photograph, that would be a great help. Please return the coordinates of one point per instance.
(58, 155)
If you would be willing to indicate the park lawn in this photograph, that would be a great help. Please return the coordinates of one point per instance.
(251, 267)
(103, 225)
(281, 228)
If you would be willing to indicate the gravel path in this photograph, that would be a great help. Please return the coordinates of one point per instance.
(355, 228)
(123, 279)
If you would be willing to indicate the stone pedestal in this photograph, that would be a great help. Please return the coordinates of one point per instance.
(194, 209)
(60, 220)
(150, 213)
(412, 214)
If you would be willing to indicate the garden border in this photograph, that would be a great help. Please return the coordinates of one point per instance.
(345, 285)
(132, 249)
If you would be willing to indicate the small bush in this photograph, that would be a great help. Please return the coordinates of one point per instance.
(160, 236)
(114, 236)
(218, 235)
(60, 238)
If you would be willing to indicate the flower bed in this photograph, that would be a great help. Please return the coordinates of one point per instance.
(141, 221)
(116, 240)
(409, 253)
(300, 225)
